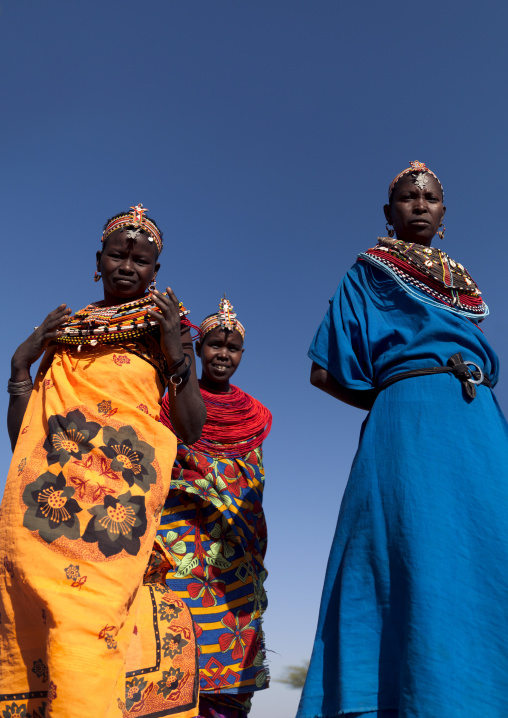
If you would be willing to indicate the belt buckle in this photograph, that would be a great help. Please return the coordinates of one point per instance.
(471, 380)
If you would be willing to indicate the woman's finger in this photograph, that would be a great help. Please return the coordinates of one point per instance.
(59, 314)
(172, 295)
(160, 300)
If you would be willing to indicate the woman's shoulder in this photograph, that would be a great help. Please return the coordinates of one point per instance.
(363, 280)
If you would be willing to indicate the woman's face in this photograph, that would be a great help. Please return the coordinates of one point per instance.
(220, 353)
(127, 265)
(416, 212)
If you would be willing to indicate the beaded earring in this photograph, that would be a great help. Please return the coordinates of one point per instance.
(97, 276)
(391, 232)
(151, 286)
(441, 232)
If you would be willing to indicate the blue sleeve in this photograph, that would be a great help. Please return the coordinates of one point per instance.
(341, 344)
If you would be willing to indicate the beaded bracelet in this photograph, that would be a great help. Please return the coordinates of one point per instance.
(18, 388)
(180, 377)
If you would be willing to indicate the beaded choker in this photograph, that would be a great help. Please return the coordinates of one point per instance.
(97, 324)
(236, 423)
(446, 283)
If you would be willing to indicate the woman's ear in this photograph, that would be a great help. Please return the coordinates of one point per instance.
(198, 348)
(388, 213)
(98, 259)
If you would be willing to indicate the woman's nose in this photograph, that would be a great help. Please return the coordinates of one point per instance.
(126, 266)
(420, 206)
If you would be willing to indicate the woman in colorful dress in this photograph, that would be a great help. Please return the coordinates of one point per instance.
(413, 618)
(79, 635)
(214, 526)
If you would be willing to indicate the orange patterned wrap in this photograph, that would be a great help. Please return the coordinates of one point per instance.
(80, 633)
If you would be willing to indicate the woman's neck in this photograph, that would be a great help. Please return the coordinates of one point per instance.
(215, 387)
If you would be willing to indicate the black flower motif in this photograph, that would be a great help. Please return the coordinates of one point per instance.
(40, 670)
(130, 455)
(51, 510)
(110, 641)
(173, 644)
(118, 524)
(72, 572)
(170, 681)
(15, 711)
(104, 406)
(169, 611)
(69, 436)
(133, 690)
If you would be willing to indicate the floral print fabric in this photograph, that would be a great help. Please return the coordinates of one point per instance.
(78, 519)
(213, 526)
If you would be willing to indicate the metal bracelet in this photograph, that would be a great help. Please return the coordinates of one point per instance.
(18, 388)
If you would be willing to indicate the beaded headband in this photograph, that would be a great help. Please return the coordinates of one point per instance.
(137, 219)
(415, 168)
(225, 319)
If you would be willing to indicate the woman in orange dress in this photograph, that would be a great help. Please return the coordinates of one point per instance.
(79, 633)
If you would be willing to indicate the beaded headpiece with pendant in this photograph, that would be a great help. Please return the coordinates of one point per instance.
(136, 219)
(224, 319)
(418, 170)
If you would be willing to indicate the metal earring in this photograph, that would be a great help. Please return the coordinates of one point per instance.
(441, 232)
(97, 276)
(152, 286)
(391, 232)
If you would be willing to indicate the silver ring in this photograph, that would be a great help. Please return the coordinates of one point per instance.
(475, 381)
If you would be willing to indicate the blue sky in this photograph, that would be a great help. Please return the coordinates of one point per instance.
(262, 137)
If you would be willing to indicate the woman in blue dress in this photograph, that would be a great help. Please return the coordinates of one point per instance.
(414, 613)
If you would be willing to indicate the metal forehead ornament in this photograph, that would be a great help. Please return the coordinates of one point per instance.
(420, 179)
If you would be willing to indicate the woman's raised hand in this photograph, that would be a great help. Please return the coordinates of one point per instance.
(169, 322)
(31, 349)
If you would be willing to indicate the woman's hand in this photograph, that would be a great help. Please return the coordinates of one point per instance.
(31, 349)
(169, 323)
(24, 356)
(186, 407)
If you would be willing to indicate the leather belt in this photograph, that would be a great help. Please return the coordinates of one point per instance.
(455, 365)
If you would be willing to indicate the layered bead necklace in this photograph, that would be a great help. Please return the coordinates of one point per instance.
(430, 270)
(97, 324)
(236, 423)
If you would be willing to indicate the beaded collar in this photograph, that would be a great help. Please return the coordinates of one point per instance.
(446, 282)
(236, 423)
(97, 324)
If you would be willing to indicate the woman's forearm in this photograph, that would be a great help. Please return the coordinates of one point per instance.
(20, 372)
(186, 406)
(325, 381)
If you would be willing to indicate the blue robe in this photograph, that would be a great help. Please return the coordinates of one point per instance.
(414, 613)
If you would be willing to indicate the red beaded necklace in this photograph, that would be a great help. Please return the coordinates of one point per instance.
(236, 423)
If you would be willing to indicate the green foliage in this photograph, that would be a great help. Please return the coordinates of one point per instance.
(294, 676)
